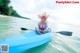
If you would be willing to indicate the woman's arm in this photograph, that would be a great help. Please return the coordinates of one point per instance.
(37, 28)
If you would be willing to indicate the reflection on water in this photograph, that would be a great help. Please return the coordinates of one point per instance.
(10, 26)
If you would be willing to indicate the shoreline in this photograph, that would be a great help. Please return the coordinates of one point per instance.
(13, 17)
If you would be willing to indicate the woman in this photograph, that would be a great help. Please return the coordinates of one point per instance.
(42, 26)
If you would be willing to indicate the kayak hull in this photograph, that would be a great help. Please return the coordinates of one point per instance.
(21, 43)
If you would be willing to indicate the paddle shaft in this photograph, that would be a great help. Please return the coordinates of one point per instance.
(60, 32)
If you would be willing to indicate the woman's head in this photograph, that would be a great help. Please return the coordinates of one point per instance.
(43, 17)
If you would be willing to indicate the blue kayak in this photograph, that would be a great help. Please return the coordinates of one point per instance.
(23, 42)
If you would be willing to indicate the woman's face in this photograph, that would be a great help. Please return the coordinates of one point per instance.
(43, 19)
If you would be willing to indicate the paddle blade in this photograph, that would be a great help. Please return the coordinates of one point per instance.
(65, 33)
(24, 29)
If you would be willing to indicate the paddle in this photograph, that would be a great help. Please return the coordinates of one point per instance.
(25, 29)
(67, 33)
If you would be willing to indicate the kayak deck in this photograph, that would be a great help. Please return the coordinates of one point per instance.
(26, 41)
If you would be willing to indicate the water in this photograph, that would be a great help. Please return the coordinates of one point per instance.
(10, 26)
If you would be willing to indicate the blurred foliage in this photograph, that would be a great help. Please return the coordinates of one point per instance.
(5, 9)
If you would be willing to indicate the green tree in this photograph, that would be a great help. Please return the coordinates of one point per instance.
(5, 9)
